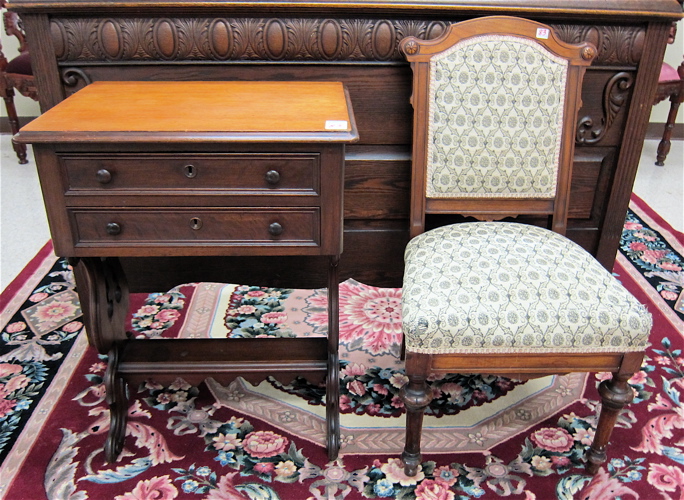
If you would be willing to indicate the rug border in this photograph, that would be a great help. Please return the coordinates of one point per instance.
(26, 441)
(674, 237)
(14, 296)
(35, 264)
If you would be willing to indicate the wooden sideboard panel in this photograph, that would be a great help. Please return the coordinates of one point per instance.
(592, 171)
(377, 173)
(358, 45)
(380, 93)
(185, 38)
(377, 183)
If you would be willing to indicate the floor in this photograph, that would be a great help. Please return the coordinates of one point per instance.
(23, 226)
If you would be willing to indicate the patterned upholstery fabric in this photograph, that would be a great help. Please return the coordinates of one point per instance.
(508, 287)
(495, 118)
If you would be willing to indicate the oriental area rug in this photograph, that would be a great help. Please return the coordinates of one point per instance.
(485, 437)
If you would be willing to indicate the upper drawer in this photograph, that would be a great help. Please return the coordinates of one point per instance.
(228, 173)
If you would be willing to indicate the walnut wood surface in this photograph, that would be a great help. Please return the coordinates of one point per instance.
(152, 169)
(103, 111)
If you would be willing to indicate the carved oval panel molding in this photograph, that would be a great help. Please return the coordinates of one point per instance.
(110, 38)
(329, 39)
(274, 39)
(278, 39)
(220, 39)
(165, 39)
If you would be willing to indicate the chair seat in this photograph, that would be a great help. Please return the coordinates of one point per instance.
(20, 65)
(499, 287)
(668, 74)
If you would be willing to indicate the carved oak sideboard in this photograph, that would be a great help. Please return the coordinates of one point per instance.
(75, 42)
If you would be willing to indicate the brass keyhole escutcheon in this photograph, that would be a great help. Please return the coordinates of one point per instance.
(190, 171)
(196, 223)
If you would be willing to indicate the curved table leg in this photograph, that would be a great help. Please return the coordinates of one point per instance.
(103, 293)
(332, 394)
(117, 399)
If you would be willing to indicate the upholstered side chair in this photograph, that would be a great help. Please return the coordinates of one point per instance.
(495, 106)
(16, 74)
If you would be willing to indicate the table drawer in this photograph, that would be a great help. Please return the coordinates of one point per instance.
(232, 173)
(224, 227)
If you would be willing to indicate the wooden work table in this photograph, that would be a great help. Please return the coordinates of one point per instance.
(76, 42)
(192, 169)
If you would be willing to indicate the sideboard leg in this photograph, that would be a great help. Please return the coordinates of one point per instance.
(103, 293)
(117, 399)
(332, 394)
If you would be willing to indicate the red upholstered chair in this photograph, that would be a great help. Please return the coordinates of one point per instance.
(16, 74)
(670, 85)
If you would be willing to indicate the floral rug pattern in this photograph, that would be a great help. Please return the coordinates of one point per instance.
(33, 344)
(181, 445)
(659, 262)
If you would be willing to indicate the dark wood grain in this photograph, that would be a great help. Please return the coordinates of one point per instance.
(261, 174)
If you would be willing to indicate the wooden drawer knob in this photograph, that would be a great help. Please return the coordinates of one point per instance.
(103, 176)
(113, 228)
(272, 177)
(275, 229)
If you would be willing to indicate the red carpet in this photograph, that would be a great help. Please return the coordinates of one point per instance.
(520, 441)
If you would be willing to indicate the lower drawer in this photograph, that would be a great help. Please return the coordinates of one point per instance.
(188, 227)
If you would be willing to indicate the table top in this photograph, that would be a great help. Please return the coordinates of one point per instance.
(198, 111)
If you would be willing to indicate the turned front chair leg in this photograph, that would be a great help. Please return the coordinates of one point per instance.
(615, 394)
(416, 395)
(19, 149)
(665, 143)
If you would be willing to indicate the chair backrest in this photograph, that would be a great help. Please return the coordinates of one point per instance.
(495, 108)
(14, 27)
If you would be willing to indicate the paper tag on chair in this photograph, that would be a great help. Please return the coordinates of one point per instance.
(543, 33)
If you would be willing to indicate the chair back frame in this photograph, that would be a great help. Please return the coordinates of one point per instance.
(420, 54)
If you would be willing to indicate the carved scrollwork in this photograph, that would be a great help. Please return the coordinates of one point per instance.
(615, 96)
(26, 87)
(75, 78)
